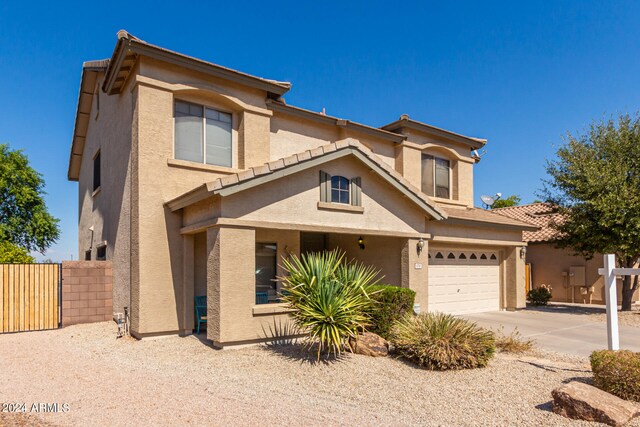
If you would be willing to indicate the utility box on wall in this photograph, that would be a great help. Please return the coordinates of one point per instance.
(577, 276)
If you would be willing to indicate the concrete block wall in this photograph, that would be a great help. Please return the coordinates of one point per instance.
(87, 292)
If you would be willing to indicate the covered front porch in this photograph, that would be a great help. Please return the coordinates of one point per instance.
(237, 268)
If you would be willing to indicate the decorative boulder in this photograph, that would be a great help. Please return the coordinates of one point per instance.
(370, 344)
(584, 402)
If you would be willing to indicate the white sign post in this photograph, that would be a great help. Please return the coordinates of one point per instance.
(611, 298)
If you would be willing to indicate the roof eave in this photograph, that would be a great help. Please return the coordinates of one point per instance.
(474, 143)
(128, 44)
(334, 121)
(476, 222)
(85, 97)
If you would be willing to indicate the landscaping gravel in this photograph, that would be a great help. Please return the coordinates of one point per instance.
(628, 318)
(178, 381)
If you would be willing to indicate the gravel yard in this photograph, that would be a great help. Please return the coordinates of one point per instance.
(593, 313)
(176, 381)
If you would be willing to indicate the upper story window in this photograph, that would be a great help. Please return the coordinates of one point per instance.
(436, 176)
(202, 134)
(339, 189)
(96, 172)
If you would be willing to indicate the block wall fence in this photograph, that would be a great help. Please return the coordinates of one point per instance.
(86, 292)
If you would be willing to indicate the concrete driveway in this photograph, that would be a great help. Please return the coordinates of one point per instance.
(556, 328)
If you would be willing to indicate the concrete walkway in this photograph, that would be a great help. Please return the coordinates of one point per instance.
(562, 332)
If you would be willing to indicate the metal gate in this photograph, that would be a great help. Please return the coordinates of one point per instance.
(29, 297)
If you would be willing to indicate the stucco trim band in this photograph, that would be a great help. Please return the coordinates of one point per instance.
(240, 223)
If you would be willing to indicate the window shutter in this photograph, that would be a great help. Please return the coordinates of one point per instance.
(325, 187)
(356, 192)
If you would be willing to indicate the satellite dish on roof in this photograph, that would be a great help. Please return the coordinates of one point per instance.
(488, 201)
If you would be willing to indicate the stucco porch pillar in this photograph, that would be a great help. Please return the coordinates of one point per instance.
(414, 269)
(188, 284)
(230, 281)
(514, 280)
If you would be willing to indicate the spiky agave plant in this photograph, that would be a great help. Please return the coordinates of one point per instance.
(329, 297)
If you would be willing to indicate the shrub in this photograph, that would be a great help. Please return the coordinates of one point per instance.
(617, 372)
(513, 343)
(539, 296)
(391, 304)
(329, 297)
(439, 341)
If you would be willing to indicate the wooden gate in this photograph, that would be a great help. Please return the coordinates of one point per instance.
(29, 297)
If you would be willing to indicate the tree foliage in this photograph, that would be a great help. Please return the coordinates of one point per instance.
(595, 184)
(25, 221)
(12, 254)
(513, 200)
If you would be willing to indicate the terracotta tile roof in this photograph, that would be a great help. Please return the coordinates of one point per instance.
(540, 214)
(483, 215)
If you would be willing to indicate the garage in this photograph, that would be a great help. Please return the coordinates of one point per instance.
(465, 281)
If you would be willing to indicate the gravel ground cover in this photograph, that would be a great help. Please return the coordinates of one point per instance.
(182, 381)
(593, 313)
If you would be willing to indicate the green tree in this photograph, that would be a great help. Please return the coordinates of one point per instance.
(595, 184)
(12, 254)
(25, 222)
(513, 200)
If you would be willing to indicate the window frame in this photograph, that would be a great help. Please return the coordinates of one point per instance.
(99, 249)
(434, 159)
(95, 189)
(204, 133)
(275, 262)
(340, 179)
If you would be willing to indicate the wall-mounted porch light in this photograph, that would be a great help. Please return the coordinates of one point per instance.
(420, 246)
(523, 252)
(360, 242)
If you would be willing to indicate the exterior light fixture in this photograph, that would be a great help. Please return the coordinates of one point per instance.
(361, 242)
(420, 246)
(523, 252)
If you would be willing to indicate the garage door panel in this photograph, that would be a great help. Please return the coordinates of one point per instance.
(461, 285)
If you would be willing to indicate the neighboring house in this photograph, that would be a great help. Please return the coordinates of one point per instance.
(572, 278)
(195, 179)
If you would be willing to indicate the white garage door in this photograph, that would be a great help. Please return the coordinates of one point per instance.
(464, 281)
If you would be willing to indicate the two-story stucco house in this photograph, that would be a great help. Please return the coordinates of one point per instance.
(195, 179)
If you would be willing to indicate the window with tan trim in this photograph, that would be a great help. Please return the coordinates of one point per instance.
(436, 176)
(202, 134)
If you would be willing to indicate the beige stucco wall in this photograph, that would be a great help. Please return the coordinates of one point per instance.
(383, 253)
(294, 200)
(548, 264)
(108, 211)
(232, 313)
(408, 162)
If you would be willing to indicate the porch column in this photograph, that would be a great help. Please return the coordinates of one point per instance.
(514, 281)
(415, 268)
(188, 284)
(230, 282)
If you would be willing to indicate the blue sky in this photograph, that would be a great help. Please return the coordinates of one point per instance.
(519, 74)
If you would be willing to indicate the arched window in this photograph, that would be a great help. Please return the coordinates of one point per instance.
(462, 256)
(339, 189)
(439, 255)
(451, 255)
(493, 256)
(473, 256)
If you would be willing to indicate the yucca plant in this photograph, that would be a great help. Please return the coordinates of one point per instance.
(439, 341)
(328, 296)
